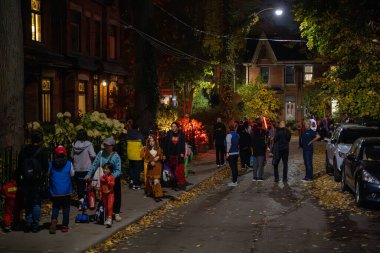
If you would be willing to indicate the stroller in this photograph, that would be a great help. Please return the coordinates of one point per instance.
(84, 217)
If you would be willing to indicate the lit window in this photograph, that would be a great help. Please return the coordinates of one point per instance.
(81, 98)
(36, 20)
(289, 75)
(308, 70)
(46, 100)
(265, 74)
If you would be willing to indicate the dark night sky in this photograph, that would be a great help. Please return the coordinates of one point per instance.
(285, 20)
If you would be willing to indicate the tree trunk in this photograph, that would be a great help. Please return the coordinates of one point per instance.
(11, 74)
(146, 86)
(190, 101)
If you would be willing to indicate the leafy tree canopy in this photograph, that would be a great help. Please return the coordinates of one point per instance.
(259, 100)
(346, 35)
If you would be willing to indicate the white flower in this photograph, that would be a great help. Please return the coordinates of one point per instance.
(36, 125)
(59, 115)
(102, 116)
(96, 133)
(90, 133)
(67, 115)
(30, 125)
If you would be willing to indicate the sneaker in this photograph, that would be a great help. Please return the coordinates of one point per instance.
(260, 180)
(218, 166)
(223, 164)
(254, 179)
(118, 217)
(306, 180)
(108, 223)
(36, 229)
(64, 229)
(7, 229)
(136, 187)
(80, 207)
(232, 184)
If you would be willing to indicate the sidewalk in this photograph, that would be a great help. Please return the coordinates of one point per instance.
(81, 236)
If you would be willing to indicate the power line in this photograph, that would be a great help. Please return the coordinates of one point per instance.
(222, 36)
(189, 26)
(162, 45)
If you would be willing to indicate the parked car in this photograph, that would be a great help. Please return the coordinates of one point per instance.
(361, 170)
(341, 142)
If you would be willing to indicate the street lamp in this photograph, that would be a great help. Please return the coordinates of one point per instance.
(278, 12)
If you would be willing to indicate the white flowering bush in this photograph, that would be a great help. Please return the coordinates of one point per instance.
(98, 126)
(64, 132)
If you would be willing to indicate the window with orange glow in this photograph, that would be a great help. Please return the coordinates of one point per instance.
(35, 6)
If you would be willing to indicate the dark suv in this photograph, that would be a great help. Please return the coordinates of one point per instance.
(341, 142)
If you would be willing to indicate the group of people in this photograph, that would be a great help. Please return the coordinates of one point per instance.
(101, 171)
(253, 142)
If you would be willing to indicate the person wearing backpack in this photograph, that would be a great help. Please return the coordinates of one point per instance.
(82, 155)
(109, 155)
(32, 172)
(61, 170)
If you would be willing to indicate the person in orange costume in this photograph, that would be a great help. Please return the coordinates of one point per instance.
(107, 182)
(152, 155)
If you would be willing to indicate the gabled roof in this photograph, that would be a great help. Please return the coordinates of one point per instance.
(276, 50)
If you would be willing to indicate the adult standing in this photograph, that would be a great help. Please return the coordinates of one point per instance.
(33, 165)
(258, 142)
(82, 155)
(219, 141)
(135, 142)
(174, 150)
(281, 151)
(109, 155)
(232, 140)
(308, 137)
(244, 144)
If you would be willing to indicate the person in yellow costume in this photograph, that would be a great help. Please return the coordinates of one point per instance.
(135, 142)
(152, 155)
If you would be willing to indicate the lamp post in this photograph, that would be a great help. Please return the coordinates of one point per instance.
(278, 12)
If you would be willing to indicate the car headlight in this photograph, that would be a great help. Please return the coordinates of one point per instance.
(369, 178)
(341, 154)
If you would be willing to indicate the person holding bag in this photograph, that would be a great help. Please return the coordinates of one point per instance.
(108, 155)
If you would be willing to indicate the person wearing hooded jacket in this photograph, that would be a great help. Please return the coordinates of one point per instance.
(82, 155)
(61, 170)
(31, 190)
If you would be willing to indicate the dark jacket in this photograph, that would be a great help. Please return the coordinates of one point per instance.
(282, 138)
(26, 152)
(219, 133)
(174, 149)
(258, 142)
(281, 142)
(245, 140)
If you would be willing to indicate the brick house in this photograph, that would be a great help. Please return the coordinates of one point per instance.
(72, 58)
(286, 67)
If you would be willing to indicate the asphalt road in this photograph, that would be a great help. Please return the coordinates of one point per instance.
(258, 217)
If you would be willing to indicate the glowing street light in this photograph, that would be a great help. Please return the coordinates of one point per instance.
(278, 12)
